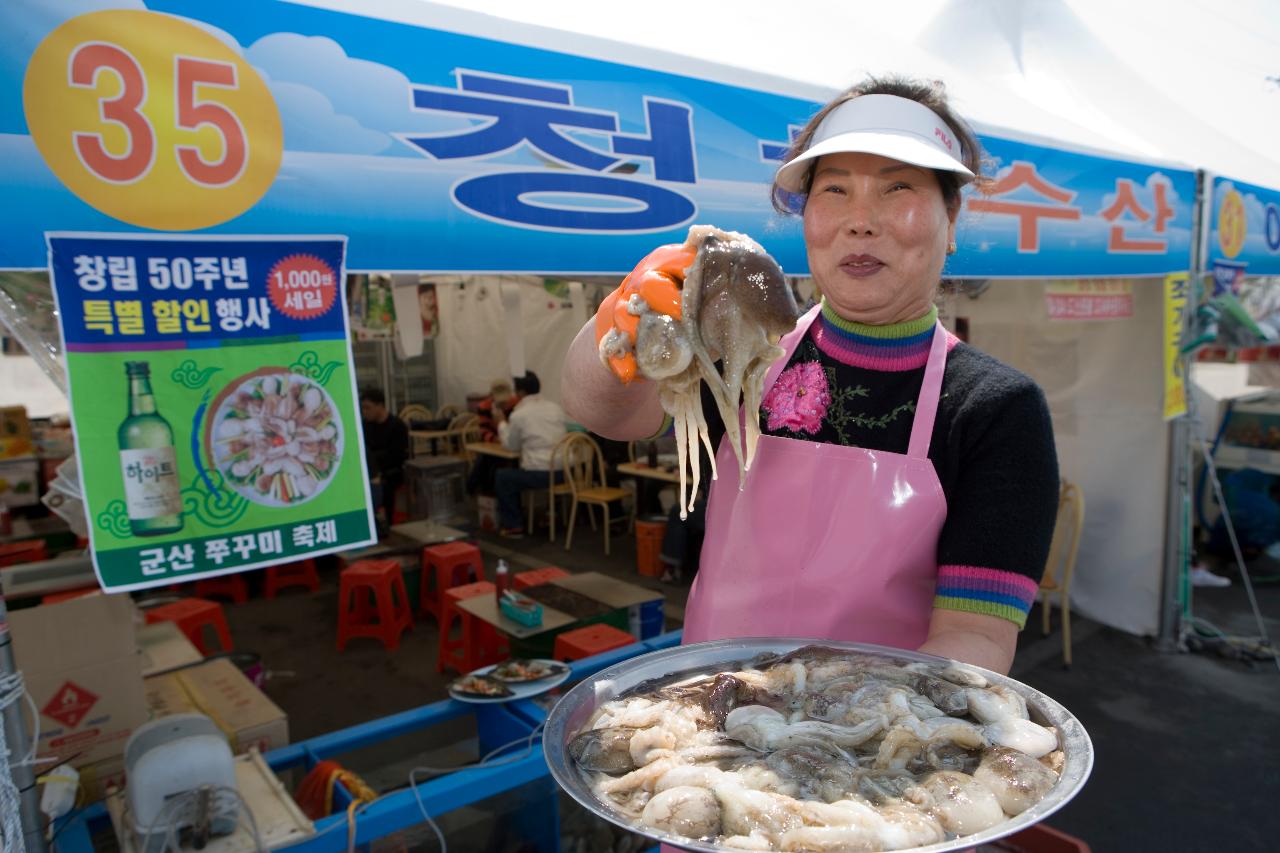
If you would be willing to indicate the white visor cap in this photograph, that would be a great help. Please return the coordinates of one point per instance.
(888, 125)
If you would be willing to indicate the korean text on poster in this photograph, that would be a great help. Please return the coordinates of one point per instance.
(213, 401)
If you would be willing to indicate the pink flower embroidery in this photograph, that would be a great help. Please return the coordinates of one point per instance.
(798, 399)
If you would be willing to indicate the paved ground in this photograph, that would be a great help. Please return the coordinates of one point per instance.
(1185, 743)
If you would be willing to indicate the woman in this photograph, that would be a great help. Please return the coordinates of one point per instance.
(905, 489)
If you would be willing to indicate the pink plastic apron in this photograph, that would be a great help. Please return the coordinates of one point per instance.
(826, 541)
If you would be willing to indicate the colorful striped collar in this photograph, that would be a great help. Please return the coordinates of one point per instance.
(900, 346)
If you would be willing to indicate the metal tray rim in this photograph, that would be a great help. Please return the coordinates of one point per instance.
(575, 706)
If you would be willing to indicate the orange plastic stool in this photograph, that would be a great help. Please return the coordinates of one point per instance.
(26, 551)
(649, 546)
(386, 617)
(301, 573)
(536, 577)
(191, 615)
(234, 587)
(591, 640)
(481, 644)
(68, 594)
(445, 566)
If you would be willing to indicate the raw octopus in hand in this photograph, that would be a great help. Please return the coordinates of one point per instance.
(717, 297)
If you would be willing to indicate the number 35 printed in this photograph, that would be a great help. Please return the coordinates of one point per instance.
(151, 119)
(87, 64)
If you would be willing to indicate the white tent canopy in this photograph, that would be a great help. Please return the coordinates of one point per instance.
(1022, 69)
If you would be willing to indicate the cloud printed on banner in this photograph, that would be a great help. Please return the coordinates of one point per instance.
(332, 102)
(1255, 212)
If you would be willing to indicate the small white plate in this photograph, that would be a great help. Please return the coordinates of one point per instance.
(519, 689)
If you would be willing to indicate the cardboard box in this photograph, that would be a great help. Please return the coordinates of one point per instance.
(221, 692)
(163, 647)
(15, 433)
(216, 689)
(80, 662)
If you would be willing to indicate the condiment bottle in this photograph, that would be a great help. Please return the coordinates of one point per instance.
(6, 520)
(501, 575)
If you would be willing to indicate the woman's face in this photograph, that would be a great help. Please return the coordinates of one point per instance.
(876, 231)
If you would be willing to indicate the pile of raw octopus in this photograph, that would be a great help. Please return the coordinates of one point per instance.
(819, 750)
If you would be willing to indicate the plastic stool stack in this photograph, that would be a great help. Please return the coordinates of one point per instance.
(234, 587)
(591, 640)
(445, 566)
(384, 618)
(480, 643)
(192, 616)
(537, 577)
(301, 573)
(26, 551)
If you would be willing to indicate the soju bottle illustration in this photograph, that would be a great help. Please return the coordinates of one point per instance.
(152, 489)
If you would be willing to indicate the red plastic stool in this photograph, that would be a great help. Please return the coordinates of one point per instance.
(481, 644)
(234, 587)
(192, 615)
(537, 577)
(68, 594)
(26, 551)
(445, 566)
(591, 640)
(301, 573)
(384, 618)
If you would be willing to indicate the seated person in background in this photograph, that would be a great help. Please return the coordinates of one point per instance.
(682, 539)
(500, 396)
(534, 429)
(386, 447)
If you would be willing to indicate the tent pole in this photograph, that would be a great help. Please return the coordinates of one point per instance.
(1178, 537)
(19, 744)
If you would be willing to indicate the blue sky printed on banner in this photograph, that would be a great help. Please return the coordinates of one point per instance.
(343, 85)
(1261, 250)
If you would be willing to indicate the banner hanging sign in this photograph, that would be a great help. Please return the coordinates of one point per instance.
(1244, 238)
(446, 152)
(213, 402)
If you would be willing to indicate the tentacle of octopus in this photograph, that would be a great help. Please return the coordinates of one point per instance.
(728, 406)
(705, 435)
(691, 439)
(754, 392)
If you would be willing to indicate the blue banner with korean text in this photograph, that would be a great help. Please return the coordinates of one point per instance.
(213, 400)
(1244, 238)
(441, 151)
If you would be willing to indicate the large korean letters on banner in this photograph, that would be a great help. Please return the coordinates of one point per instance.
(214, 402)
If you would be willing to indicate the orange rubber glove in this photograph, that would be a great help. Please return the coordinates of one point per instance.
(657, 280)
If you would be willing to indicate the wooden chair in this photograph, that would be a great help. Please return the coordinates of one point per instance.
(1062, 561)
(450, 410)
(415, 412)
(409, 414)
(464, 427)
(555, 490)
(583, 466)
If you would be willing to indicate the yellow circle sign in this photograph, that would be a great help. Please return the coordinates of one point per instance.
(1231, 223)
(152, 120)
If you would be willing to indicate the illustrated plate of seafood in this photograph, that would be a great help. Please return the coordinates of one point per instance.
(814, 746)
(276, 437)
(513, 679)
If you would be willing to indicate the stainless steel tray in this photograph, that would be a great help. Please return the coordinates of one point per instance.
(571, 713)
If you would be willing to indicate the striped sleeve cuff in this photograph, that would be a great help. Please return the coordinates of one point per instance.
(667, 423)
(993, 592)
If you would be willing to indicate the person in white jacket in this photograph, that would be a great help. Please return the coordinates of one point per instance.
(534, 429)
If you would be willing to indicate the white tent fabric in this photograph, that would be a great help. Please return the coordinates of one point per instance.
(472, 349)
(1102, 380)
(1043, 52)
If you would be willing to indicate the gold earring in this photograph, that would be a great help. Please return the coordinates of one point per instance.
(951, 247)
